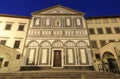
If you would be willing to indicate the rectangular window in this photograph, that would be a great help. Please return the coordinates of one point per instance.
(31, 56)
(78, 22)
(21, 28)
(94, 44)
(70, 56)
(108, 30)
(91, 31)
(3, 42)
(6, 63)
(8, 26)
(17, 44)
(100, 31)
(44, 56)
(68, 22)
(47, 21)
(83, 56)
(18, 56)
(117, 29)
(102, 42)
(37, 21)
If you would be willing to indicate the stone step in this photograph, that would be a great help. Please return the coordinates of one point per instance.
(58, 74)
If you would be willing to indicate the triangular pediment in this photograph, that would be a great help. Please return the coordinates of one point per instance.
(58, 9)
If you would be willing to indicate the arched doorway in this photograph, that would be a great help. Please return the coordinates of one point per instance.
(110, 62)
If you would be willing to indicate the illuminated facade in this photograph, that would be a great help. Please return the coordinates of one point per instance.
(58, 38)
(13, 30)
(61, 38)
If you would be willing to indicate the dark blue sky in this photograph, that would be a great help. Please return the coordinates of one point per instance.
(90, 7)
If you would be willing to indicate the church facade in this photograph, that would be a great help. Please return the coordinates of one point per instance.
(58, 38)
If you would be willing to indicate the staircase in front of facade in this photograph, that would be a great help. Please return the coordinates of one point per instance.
(59, 74)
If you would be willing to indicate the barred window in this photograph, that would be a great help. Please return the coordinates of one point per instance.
(6, 63)
(94, 44)
(100, 30)
(17, 44)
(3, 42)
(102, 42)
(21, 28)
(8, 26)
(91, 31)
(117, 29)
(108, 30)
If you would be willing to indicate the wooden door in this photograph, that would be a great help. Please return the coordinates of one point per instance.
(57, 58)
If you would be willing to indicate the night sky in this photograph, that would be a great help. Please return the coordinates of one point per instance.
(90, 7)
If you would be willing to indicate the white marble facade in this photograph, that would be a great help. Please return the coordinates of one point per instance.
(58, 38)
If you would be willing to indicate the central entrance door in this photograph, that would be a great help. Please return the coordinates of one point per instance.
(57, 58)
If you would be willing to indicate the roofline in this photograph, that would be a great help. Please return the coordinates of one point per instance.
(56, 6)
(15, 16)
(97, 17)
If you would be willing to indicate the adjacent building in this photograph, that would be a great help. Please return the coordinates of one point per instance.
(13, 30)
(104, 34)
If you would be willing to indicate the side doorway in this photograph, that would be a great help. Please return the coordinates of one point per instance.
(110, 62)
(113, 66)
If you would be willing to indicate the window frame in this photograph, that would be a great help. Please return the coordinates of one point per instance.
(3, 42)
(18, 56)
(117, 30)
(94, 44)
(101, 43)
(6, 63)
(108, 30)
(16, 44)
(8, 26)
(19, 29)
(91, 31)
(100, 30)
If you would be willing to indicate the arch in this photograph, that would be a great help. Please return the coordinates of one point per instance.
(45, 43)
(111, 62)
(69, 43)
(57, 43)
(82, 44)
(33, 43)
(107, 54)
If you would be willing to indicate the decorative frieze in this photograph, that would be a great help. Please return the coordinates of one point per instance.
(56, 33)
(53, 21)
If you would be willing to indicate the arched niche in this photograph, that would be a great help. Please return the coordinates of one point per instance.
(107, 54)
(45, 44)
(81, 44)
(33, 44)
(57, 43)
(69, 44)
